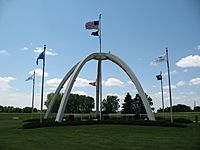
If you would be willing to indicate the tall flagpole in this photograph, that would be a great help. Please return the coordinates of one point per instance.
(41, 113)
(170, 94)
(100, 68)
(33, 94)
(161, 82)
(99, 78)
(100, 33)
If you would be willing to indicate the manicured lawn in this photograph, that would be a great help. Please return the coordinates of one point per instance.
(186, 115)
(13, 137)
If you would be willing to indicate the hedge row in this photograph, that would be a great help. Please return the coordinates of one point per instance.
(51, 123)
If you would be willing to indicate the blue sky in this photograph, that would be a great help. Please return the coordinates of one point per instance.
(134, 30)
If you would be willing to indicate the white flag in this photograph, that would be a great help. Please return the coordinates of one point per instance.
(161, 58)
(30, 78)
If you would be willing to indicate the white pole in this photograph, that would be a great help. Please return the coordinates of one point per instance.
(170, 94)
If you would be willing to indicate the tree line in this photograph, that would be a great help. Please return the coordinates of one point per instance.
(76, 103)
(85, 104)
(180, 108)
(11, 109)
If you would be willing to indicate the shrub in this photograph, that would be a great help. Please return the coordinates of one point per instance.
(50, 123)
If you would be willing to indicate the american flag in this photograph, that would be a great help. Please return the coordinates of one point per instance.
(92, 25)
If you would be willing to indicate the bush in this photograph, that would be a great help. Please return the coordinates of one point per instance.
(35, 123)
(71, 117)
(181, 120)
(175, 120)
(51, 122)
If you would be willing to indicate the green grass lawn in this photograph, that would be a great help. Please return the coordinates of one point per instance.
(186, 115)
(13, 137)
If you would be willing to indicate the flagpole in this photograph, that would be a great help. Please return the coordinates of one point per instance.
(100, 68)
(170, 94)
(100, 33)
(99, 78)
(33, 94)
(161, 82)
(42, 91)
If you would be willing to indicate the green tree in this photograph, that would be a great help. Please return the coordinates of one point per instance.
(139, 106)
(57, 101)
(18, 110)
(197, 108)
(1, 108)
(179, 108)
(135, 106)
(128, 105)
(27, 110)
(76, 103)
(110, 104)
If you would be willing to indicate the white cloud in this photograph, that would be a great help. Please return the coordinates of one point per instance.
(186, 98)
(39, 72)
(79, 92)
(25, 48)
(80, 82)
(195, 81)
(197, 47)
(12, 97)
(4, 52)
(47, 52)
(7, 79)
(5, 83)
(180, 83)
(167, 87)
(189, 61)
(113, 82)
(115, 94)
(54, 82)
(158, 95)
(171, 73)
(130, 82)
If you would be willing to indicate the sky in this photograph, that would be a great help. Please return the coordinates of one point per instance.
(137, 31)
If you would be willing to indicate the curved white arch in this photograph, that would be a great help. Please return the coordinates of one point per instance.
(134, 79)
(70, 84)
(60, 86)
(74, 73)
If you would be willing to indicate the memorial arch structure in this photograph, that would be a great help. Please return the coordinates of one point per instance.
(73, 73)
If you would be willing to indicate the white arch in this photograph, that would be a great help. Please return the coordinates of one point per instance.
(75, 71)
(134, 79)
(58, 91)
(70, 84)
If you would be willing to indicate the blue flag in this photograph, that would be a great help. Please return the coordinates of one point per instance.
(41, 56)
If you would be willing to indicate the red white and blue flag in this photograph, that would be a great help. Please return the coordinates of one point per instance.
(92, 25)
